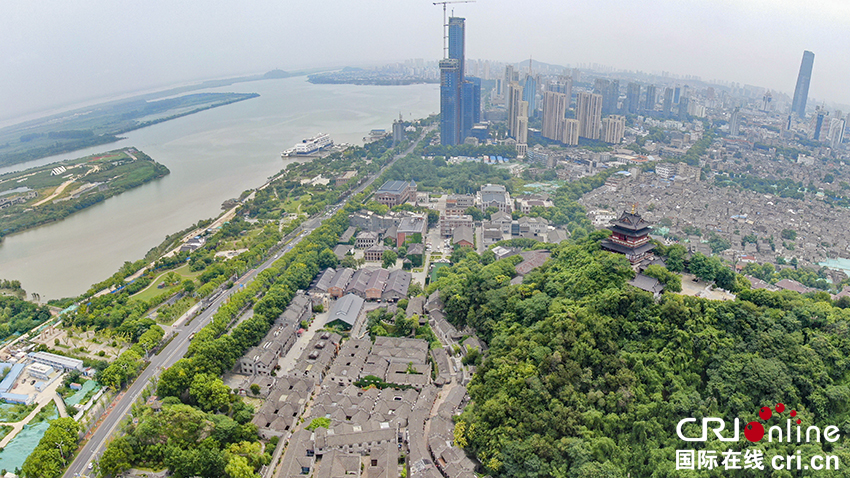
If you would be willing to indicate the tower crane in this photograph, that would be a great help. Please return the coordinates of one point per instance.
(446, 24)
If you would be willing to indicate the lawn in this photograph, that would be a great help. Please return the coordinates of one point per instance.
(152, 291)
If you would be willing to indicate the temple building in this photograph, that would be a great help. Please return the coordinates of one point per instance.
(630, 237)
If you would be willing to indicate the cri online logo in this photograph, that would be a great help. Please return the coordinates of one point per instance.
(754, 431)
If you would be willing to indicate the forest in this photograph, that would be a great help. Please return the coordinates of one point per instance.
(18, 316)
(588, 377)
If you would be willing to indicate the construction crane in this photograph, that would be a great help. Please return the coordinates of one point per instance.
(446, 24)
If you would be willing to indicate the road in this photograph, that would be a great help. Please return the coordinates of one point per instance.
(180, 345)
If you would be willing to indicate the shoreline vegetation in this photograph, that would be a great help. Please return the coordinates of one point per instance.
(49, 193)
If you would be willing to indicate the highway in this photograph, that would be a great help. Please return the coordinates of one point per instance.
(178, 347)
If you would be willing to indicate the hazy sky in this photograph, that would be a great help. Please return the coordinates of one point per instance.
(54, 52)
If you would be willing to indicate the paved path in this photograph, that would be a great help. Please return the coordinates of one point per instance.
(57, 192)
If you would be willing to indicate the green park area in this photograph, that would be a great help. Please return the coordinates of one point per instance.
(49, 193)
(167, 283)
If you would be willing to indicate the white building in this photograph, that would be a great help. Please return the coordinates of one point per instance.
(56, 361)
(40, 371)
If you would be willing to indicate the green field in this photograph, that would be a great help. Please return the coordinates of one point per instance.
(153, 291)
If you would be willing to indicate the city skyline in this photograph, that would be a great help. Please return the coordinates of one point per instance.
(55, 53)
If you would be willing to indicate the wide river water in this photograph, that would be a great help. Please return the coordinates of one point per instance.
(213, 155)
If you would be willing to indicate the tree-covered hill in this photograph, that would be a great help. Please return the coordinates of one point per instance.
(588, 377)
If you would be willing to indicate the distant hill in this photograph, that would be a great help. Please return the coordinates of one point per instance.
(276, 74)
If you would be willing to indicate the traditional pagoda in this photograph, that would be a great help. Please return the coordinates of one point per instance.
(630, 237)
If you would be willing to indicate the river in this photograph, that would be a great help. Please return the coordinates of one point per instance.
(213, 155)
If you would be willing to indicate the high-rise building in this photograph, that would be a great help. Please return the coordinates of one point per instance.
(513, 103)
(460, 103)
(650, 98)
(457, 40)
(820, 115)
(611, 102)
(667, 106)
(836, 131)
(683, 107)
(450, 106)
(470, 104)
(589, 114)
(522, 123)
(555, 106)
(564, 84)
(529, 93)
(677, 92)
(509, 77)
(633, 98)
(398, 130)
(610, 91)
(613, 128)
(801, 91)
(569, 135)
(735, 122)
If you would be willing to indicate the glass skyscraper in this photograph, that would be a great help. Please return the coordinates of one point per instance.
(460, 97)
(450, 101)
(801, 91)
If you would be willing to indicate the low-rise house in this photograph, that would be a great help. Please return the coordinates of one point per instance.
(463, 237)
(376, 253)
(376, 284)
(366, 239)
(345, 311)
(340, 282)
(411, 226)
(448, 224)
(396, 286)
(358, 283)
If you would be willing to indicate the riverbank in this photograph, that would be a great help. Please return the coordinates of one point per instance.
(213, 155)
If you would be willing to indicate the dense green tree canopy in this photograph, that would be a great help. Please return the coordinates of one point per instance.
(588, 377)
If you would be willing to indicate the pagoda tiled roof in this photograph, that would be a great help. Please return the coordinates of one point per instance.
(631, 221)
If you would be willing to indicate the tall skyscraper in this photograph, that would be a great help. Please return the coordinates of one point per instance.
(470, 101)
(513, 103)
(529, 93)
(801, 91)
(457, 40)
(821, 114)
(522, 123)
(458, 108)
(509, 77)
(450, 106)
(611, 101)
(836, 131)
(633, 98)
(684, 101)
(667, 106)
(555, 106)
(610, 91)
(589, 114)
(650, 98)
(735, 122)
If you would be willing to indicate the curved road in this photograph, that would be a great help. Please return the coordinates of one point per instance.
(180, 345)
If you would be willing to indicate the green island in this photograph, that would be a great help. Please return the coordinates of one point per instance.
(100, 124)
(52, 192)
